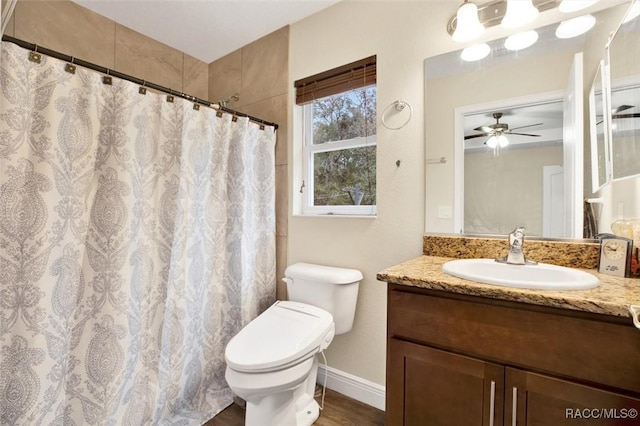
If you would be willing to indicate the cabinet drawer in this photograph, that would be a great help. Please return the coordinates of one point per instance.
(587, 348)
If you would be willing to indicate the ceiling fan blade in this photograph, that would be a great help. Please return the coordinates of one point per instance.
(621, 108)
(528, 125)
(474, 136)
(523, 134)
(485, 129)
(634, 115)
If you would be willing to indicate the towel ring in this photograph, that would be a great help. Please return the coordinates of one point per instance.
(399, 106)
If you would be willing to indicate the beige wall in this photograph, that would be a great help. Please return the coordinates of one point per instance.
(402, 34)
(68, 28)
(259, 74)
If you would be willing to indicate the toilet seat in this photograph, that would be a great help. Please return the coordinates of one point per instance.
(281, 336)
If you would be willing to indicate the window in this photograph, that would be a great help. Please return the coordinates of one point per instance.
(339, 153)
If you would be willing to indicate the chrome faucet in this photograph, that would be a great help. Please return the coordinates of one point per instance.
(516, 253)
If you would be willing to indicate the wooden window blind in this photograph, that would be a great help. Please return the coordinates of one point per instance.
(352, 76)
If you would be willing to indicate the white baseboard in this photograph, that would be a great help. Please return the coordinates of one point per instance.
(353, 386)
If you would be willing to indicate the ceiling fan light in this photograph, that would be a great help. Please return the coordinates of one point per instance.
(475, 52)
(521, 40)
(502, 141)
(492, 142)
(575, 27)
(519, 13)
(468, 26)
(568, 6)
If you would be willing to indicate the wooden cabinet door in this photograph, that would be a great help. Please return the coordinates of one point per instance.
(430, 387)
(545, 401)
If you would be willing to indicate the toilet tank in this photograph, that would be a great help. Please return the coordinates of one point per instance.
(333, 289)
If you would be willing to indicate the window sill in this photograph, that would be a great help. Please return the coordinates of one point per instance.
(336, 215)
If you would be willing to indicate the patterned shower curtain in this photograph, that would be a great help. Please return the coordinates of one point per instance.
(137, 236)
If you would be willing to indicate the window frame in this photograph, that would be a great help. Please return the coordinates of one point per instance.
(308, 151)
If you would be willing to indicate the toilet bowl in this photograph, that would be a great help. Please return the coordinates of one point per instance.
(272, 362)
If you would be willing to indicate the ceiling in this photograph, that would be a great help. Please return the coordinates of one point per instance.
(205, 29)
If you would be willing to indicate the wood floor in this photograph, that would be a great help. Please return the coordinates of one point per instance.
(339, 410)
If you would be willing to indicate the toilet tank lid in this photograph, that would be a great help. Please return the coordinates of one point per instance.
(321, 273)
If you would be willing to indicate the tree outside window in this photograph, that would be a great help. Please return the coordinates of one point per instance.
(341, 151)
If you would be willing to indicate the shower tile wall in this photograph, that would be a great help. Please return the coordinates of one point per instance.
(71, 29)
(259, 74)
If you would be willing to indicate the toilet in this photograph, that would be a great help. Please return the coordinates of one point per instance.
(272, 362)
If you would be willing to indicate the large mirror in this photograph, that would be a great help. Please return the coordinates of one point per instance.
(599, 125)
(488, 190)
(624, 72)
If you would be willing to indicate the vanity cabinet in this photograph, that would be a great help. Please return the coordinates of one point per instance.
(464, 360)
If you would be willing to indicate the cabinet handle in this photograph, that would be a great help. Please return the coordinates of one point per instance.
(514, 407)
(492, 407)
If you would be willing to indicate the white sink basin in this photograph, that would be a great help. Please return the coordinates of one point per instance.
(541, 276)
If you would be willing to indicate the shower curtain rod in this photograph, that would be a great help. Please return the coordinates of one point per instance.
(144, 83)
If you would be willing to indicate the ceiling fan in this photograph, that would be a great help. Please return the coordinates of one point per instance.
(615, 113)
(498, 129)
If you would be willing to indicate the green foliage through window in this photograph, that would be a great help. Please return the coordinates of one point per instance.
(345, 175)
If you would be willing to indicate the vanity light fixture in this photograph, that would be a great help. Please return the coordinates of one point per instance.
(519, 13)
(521, 40)
(468, 25)
(475, 52)
(575, 27)
(568, 6)
(471, 19)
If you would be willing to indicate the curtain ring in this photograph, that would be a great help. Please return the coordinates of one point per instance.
(142, 90)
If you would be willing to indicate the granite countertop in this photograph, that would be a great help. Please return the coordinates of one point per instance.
(612, 297)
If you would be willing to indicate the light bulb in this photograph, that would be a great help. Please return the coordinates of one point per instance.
(521, 40)
(492, 142)
(575, 27)
(519, 13)
(503, 141)
(475, 53)
(468, 26)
